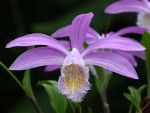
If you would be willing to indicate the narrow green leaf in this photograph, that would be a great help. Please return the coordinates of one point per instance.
(27, 85)
(146, 42)
(46, 82)
(102, 80)
(57, 101)
(131, 99)
(142, 88)
(134, 96)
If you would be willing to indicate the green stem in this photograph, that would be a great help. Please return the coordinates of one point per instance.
(30, 96)
(36, 106)
(78, 108)
(27, 85)
(29, 92)
(139, 110)
(12, 75)
(130, 108)
(102, 82)
(148, 79)
(104, 101)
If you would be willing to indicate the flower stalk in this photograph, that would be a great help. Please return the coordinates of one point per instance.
(104, 101)
(12, 75)
(31, 97)
(145, 41)
(36, 106)
(29, 92)
(148, 78)
(102, 82)
(78, 108)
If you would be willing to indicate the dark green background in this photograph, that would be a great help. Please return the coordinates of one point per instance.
(20, 17)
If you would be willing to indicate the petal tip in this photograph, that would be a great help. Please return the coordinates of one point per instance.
(134, 76)
(12, 68)
(8, 45)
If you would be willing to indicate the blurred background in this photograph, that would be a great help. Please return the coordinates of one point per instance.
(20, 17)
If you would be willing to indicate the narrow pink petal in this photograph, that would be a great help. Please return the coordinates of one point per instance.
(112, 62)
(122, 6)
(65, 32)
(37, 39)
(62, 32)
(140, 54)
(65, 43)
(51, 68)
(116, 43)
(128, 56)
(92, 33)
(93, 70)
(79, 29)
(38, 57)
(131, 29)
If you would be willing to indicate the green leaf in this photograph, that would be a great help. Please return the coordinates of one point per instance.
(103, 79)
(57, 101)
(142, 88)
(27, 85)
(146, 43)
(131, 99)
(100, 81)
(134, 96)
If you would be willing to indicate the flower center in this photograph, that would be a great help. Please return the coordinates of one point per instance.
(74, 78)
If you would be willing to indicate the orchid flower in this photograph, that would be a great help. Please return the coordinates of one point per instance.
(126, 54)
(92, 36)
(142, 7)
(74, 79)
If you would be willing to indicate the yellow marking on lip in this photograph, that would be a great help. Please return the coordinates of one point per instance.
(74, 78)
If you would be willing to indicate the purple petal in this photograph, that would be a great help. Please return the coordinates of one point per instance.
(116, 43)
(93, 34)
(65, 43)
(128, 56)
(112, 62)
(140, 54)
(122, 6)
(79, 29)
(38, 57)
(51, 68)
(37, 39)
(62, 32)
(93, 70)
(132, 29)
(65, 32)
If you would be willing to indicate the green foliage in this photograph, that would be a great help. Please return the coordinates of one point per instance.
(27, 85)
(102, 80)
(134, 96)
(146, 42)
(57, 101)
